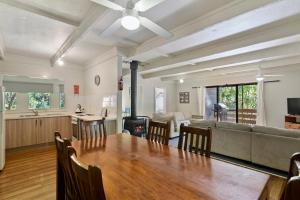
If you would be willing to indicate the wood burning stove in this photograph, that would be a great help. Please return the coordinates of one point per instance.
(136, 125)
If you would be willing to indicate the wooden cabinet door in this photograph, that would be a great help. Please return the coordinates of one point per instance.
(63, 125)
(12, 131)
(21, 132)
(46, 128)
(28, 132)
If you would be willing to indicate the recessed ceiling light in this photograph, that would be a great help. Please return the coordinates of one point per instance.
(130, 22)
(60, 62)
(45, 76)
(181, 81)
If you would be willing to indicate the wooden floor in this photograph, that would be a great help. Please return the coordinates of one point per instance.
(31, 174)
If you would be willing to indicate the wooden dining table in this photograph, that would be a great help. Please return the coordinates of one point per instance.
(135, 168)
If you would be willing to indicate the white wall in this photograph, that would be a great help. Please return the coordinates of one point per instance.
(276, 94)
(145, 99)
(107, 67)
(70, 74)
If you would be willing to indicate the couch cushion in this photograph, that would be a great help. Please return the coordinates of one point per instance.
(276, 131)
(203, 123)
(234, 126)
(178, 116)
(162, 117)
(273, 150)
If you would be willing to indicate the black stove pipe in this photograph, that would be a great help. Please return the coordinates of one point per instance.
(133, 67)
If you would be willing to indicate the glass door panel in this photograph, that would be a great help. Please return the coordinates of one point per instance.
(227, 104)
(247, 104)
(210, 102)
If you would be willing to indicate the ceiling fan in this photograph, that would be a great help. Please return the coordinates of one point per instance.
(131, 20)
(261, 76)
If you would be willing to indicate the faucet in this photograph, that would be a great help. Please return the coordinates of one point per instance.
(35, 112)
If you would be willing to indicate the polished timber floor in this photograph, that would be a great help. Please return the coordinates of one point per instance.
(31, 174)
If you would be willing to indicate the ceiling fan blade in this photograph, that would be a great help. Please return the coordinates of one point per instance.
(155, 28)
(112, 28)
(109, 4)
(144, 5)
(273, 75)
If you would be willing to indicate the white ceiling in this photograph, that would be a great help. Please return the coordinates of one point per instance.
(45, 35)
(30, 34)
(207, 34)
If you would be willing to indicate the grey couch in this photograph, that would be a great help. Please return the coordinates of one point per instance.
(271, 147)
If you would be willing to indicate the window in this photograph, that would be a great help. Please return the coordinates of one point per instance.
(160, 100)
(10, 100)
(38, 100)
(232, 103)
(61, 100)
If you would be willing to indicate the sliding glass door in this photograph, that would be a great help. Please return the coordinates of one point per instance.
(231, 103)
(227, 104)
(247, 104)
(210, 103)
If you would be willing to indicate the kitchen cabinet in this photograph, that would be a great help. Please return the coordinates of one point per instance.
(20, 132)
(64, 126)
(25, 132)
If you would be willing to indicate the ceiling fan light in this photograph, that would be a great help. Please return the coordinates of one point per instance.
(130, 22)
(60, 62)
(260, 78)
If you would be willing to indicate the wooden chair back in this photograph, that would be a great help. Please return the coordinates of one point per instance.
(64, 177)
(93, 129)
(88, 179)
(159, 132)
(292, 188)
(199, 139)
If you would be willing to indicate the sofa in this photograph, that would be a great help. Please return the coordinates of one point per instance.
(267, 146)
(176, 118)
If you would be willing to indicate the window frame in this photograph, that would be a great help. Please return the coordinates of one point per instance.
(236, 96)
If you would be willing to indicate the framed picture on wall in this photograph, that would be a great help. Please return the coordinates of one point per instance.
(184, 97)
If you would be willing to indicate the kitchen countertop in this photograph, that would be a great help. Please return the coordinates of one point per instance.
(92, 117)
(85, 117)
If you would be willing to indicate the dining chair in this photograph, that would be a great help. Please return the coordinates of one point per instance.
(88, 179)
(159, 132)
(199, 139)
(292, 188)
(93, 129)
(65, 188)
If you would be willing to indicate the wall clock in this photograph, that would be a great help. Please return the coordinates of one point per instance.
(97, 80)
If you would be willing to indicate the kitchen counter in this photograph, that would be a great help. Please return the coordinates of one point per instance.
(32, 116)
(88, 117)
(83, 117)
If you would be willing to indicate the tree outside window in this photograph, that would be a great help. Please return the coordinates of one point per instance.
(10, 100)
(38, 100)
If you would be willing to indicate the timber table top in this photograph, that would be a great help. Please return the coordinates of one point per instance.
(134, 168)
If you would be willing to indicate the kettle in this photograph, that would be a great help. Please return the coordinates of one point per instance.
(78, 109)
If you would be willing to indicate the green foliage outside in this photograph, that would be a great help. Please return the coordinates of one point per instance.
(227, 96)
(10, 100)
(38, 100)
(246, 96)
(61, 100)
